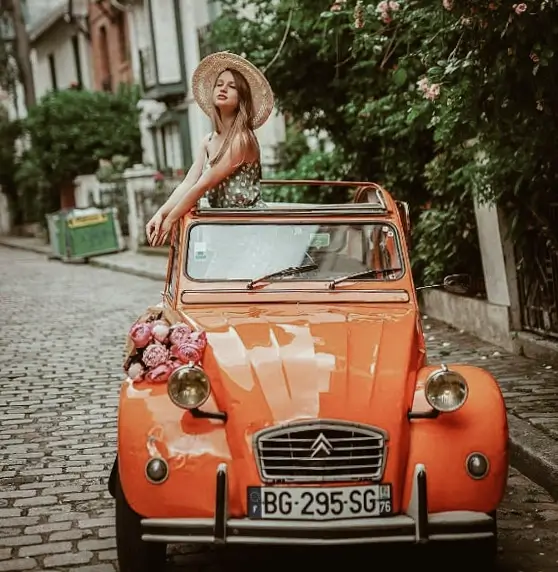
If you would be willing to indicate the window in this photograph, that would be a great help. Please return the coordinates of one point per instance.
(52, 69)
(233, 251)
(77, 60)
(106, 80)
(122, 37)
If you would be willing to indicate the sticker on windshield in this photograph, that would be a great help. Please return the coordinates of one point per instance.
(200, 251)
(320, 240)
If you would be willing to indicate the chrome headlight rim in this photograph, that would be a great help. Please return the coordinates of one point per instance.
(192, 368)
(483, 458)
(442, 371)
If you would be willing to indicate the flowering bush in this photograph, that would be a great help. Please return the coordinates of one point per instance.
(439, 101)
(157, 348)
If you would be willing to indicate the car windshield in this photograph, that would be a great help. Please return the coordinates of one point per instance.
(247, 251)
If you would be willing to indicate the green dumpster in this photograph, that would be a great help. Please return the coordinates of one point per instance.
(78, 234)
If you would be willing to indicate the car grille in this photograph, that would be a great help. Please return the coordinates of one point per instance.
(319, 451)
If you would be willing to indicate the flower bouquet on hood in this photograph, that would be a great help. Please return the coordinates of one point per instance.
(157, 348)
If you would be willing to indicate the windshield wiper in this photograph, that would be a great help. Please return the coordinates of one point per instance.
(285, 272)
(361, 274)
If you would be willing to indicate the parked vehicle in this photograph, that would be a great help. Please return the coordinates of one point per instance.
(280, 393)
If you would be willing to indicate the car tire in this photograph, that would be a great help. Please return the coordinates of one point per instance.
(466, 555)
(135, 555)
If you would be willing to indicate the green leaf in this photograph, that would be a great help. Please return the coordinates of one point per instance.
(400, 76)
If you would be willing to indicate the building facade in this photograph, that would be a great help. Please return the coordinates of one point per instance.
(168, 41)
(110, 45)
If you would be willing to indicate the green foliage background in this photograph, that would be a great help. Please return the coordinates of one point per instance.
(64, 136)
(340, 69)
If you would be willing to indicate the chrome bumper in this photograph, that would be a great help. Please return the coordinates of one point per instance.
(415, 526)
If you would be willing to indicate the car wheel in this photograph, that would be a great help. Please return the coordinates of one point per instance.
(466, 555)
(135, 555)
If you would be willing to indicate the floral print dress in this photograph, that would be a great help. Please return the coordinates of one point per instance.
(240, 189)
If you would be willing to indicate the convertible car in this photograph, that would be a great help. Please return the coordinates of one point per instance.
(280, 393)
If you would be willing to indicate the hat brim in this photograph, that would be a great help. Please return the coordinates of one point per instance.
(207, 72)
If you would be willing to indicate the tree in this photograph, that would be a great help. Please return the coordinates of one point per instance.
(16, 50)
(70, 130)
(440, 101)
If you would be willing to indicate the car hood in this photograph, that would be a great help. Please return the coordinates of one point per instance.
(285, 363)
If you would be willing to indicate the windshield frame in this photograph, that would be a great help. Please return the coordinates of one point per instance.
(296, 279)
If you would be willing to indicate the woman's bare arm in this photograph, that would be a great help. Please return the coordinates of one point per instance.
(212, 177)
(188, 182)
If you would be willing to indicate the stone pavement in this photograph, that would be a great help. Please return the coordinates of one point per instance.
(62, 347)
(530, 388)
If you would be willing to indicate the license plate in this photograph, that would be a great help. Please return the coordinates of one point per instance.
(319, 503)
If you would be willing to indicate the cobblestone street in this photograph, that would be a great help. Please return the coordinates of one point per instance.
(62, 338)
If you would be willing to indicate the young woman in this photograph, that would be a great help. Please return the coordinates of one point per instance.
(227, 169)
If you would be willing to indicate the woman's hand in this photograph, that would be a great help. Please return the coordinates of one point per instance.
(152, 228)
(164, 231)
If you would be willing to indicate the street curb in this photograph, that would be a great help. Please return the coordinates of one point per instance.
(531, 451)
(29, 247)
(127, 270)
(534, 454)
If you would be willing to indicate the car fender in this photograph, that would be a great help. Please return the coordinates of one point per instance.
(443, 444)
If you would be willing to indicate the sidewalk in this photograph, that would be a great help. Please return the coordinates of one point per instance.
(530, 388)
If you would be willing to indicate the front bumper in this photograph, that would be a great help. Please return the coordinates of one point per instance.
(415, 526)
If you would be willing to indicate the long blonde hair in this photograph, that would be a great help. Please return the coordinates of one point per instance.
(243, 121)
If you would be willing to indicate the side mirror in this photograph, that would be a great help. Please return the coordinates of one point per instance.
(457, 283)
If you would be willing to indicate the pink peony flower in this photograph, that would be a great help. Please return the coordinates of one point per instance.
(447, 4)
(179, 333)
(520, 8)
(136, 371)
(140, 334)
(432, 92)
(155, 355)
(422, 84)
(383, 6)
(198, 338)
(393, 5)
(159, 374)
(385, 17)
(187, 353)
(336, 7)
(160, 331)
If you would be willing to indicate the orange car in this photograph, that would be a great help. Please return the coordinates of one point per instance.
(280, 393)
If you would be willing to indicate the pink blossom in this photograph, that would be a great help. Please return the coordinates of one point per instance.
(198, 338)
(160, 330)
(180, 333)
(160, 374)
(432, 92)
(520, 8)
(140, 334)
(534, 57)
(336, 7)
(422, 84)
(385, 17)
(394, 6)
(154, 355)
(382, 6)
(447, 4)
(187, 353)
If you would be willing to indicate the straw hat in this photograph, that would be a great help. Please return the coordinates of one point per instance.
(208, 71)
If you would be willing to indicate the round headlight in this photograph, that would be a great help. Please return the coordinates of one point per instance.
(446, 390)
(188, 387)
